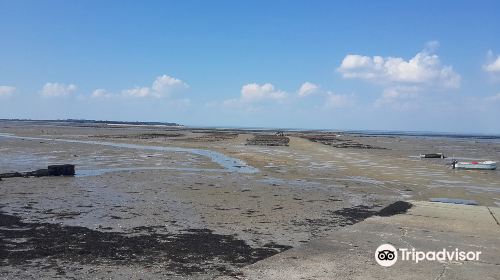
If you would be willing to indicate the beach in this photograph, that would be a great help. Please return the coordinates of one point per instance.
(198, 203)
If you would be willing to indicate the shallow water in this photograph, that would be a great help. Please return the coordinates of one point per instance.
(101, 171)
(228, 163)
(454, 200)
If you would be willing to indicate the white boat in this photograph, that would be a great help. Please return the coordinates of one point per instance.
(482, 165)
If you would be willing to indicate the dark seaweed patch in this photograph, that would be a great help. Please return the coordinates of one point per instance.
(359, 213)
(349, 216)
(398, 207)
(194, 251)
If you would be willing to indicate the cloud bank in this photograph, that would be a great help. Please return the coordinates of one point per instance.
(307, 89)
(162, 86)
(257, 93)
(424, 69)
(57, 90)
(6, 91)
(402, 81)
(254, 92)
(101, 93)
(493, 64)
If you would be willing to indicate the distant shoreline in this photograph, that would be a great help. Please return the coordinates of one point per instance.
(479, 136)
(84, 121)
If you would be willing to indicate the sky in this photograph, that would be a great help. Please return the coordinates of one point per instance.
(350, 65)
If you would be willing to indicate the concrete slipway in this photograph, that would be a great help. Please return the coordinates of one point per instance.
(427, 226)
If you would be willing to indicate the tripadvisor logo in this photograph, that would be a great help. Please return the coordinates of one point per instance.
(387, 255)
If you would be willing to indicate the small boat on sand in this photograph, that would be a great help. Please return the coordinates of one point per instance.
(434, 155)
(481, 165)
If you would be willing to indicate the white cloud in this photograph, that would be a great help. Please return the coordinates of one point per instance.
(253, 96)
(424, 68)
(401, 98)
(403, 80)
(307, 88)
(334, 100)
(431, 46)
(163, 86)
(254, 92)
(57, 89)
(6, 91)
(493, 66)
(137, 92)
(101, 93)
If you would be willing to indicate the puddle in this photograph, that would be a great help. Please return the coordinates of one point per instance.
(101, 171)
(228, 163)
(477, 189)
(454, 201)
(362, 179)
(278, 181)
(448, 182)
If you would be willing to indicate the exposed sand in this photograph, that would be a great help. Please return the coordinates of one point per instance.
(301, 192)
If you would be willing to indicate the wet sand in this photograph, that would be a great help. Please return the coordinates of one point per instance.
(181, 213)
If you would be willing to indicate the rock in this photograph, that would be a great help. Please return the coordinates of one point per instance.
(52, 170)
(61, 170)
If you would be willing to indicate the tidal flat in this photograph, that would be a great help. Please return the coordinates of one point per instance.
(192, 203)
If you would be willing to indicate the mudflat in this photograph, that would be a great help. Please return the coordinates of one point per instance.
(187, 203)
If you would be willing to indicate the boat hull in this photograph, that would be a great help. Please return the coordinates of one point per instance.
(476, 166)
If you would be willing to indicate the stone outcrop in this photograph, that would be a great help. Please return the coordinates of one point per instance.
(52, 170)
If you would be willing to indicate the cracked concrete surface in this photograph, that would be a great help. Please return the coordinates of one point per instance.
(443, 272)
(494, 217)
(349, 253)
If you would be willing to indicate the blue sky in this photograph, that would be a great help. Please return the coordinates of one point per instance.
(391, 65)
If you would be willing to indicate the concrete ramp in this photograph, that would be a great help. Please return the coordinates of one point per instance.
(427, 226)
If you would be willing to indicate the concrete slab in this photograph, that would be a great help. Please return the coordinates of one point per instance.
(495, 212)
(466, 219)
(349, 253)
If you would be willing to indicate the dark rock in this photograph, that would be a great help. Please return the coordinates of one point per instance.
(61, 170)
(52, 170)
